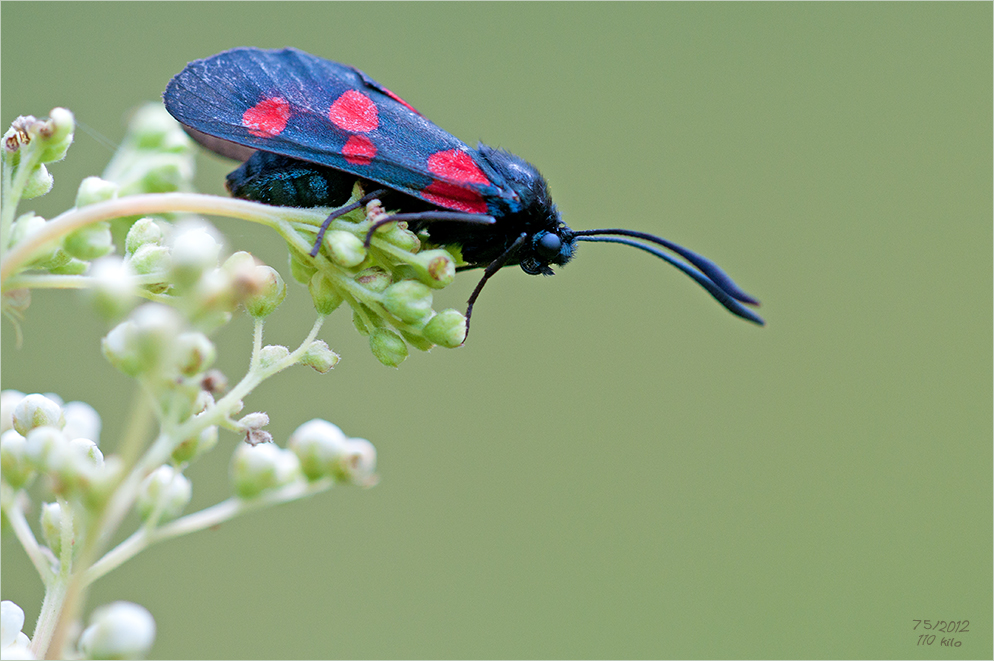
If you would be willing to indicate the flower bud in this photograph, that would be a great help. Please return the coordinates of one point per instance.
(359, 466)
(324, 294)
(194, 250)
(165, 492)
(320, 357)
(374, 279)
(41, 444)
(272, 354)
(447, 328)
(435, 268)
(320, 446)
(408, 300)
(121, 630)
(39, 182)
(401, 237)
(195, 353)
(256, 420)
(90, 241)
(47, 257)
(114, 292)
(37, 411)
(102, 482)
(301, 266)
(150, 258)
(93, 190)
(82, 421)
(151, 126)
(51, 527)
(13, 641)
(143, 232)
(138, 344)
(417, 341)
(256, 468)
(57, 133)
(15, 465)
(268, 296)
(73, 464)
(388, 347)
(344, 248)
(195, 446)
(8, 400)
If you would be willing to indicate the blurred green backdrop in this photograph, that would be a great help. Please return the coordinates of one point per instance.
(613, 466)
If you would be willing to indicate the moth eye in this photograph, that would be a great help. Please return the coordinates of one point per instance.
(547, 245)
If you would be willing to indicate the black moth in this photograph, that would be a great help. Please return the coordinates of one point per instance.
(307, 129)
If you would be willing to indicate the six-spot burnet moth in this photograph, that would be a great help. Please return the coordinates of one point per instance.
(308, 129)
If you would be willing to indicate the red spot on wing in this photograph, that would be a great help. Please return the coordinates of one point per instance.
(453, 197)
(359, 150)
(267, 118)
(355, 112)
(458, 166)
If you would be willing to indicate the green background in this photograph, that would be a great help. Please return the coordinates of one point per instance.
(613, 466)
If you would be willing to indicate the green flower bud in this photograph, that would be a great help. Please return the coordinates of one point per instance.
(73, 464)
(41, 444)
(195, 353)
(138, 344)
(195, 446)
(121, 630)
(102, 482)
(164, 173)
(272, 354)
(388, 347)
(401, 237)
(320, 357)
(256, 468)
(143, 232)
(320, 446)
(374, 279)
(447, 328)
(165, 491)
(358, 466)
(408, 300)
(27, 225)
(51, 527)
(8, 400)
(301, 268)
(358, 322)
(151, 259)
(194, 250)
(271, 292)
(150, 127)
(39, 182)
(16, 467)
(37, 410)
(324, 294)
(67, 265)
(344, 248)
(435, 268)
(57, 134)
(93, 190)
(114, 292)
(240, 262)
(416, 341)
(90, 242)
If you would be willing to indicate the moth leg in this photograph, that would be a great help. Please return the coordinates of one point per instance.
(492, 269)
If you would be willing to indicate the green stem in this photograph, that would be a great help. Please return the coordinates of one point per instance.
(205, 518)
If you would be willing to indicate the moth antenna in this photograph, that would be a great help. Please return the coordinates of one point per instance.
(720, 294)
(365, 199)
(705, 265)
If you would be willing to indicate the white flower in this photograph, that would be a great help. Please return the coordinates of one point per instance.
(121, 630)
